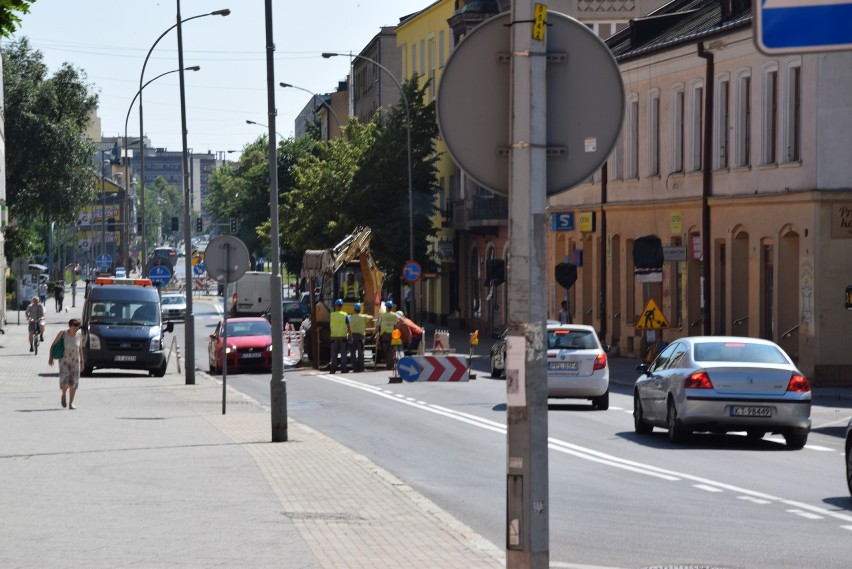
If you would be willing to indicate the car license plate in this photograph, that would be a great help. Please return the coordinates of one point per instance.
(562, 366)
(740, 411)
(124, 358)
(251, 355)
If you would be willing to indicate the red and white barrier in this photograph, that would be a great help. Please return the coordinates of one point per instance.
(435, 368)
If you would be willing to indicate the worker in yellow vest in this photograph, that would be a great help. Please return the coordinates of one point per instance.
(386, 325)
(341, 332)
(351, 289)
(358, 325)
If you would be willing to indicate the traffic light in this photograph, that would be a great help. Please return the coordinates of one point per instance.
(199, 224)
(111, 224)
(174, 224)
(138, 225)
(233, 225)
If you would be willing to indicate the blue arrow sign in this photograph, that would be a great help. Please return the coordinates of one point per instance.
(411, 271)
(199, 269)
(103, 262)
(793, 26)
(408, 369)
(160, 274)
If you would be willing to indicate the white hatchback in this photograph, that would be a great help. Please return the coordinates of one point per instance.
(577, 365)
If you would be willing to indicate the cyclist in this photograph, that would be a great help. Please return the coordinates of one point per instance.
(35, 317)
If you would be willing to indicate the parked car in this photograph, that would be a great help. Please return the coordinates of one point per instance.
(120, 273)
(173, 306)
(293, 313)
(723, 384)
(577, 365)
(249, 345)
(849, 456)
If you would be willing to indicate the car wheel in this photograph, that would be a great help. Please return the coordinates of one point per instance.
(639, 423)
(601, 403)
(495, 373)
(796, 439)
(677, 432)
(755, 435)
(849, 465)
(160, 371)
(87, 371)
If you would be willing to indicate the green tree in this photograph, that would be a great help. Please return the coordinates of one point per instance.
(9, 20)
(165, 202)
(49, 169)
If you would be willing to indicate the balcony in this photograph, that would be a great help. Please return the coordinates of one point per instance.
(486, 210)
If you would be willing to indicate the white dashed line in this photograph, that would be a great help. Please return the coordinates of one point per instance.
(806, 515)
(754, 500)
(707, 488)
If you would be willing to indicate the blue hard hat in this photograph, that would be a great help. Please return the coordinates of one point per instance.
(389, 304)
(357, 307)
(338, 302)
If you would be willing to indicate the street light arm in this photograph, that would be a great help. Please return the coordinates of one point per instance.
(321, 100)
(139, 92)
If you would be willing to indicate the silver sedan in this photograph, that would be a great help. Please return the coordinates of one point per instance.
(721, 384)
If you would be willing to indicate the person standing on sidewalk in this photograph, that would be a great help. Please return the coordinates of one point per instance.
(341, 331)
(42, 292)
(59, 295)
(71, 362)
(358, 324)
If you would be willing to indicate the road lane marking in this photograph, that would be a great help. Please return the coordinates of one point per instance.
(806, 515)
(592, 455)
(707, 488)
(760, 501)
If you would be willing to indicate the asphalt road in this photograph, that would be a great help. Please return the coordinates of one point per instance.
(616, 499)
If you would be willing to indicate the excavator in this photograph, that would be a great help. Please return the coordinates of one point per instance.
(347, 271)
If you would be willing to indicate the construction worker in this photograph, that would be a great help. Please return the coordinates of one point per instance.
(386, 325)
(358, 325)
(351, 290)
(411, 333)
(341, 332)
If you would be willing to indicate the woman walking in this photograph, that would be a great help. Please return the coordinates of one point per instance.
(71, 362)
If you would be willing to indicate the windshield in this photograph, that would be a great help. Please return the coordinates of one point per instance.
(258, 328)
(570, 340)
(173, 300)
(125, 312)
(738, 352)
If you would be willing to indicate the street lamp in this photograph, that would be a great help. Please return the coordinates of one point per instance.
(103, 202)
(223, 13)
(127, 158)
(315, 97)
(281, 136)
(327, 55)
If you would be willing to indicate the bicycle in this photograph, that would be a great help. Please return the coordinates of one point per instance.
(36, 335)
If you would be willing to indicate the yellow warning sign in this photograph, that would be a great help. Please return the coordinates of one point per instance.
(651, 318)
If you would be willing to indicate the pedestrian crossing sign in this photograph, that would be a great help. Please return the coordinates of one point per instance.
(652, 318)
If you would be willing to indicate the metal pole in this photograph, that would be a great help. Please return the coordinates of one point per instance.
(227, 279)
(277, 385)
(189, 320)
(527, 524)
(103, 206)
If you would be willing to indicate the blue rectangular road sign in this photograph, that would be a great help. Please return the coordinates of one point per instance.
(794, 26)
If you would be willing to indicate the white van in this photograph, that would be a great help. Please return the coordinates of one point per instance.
(251, 295)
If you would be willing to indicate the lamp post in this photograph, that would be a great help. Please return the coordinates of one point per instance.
(223, 13)
(408, 144)
(315, 97)
(103, 202)
(264, 126)
(126, 144)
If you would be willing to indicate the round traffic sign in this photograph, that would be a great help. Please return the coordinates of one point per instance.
(160, 274)
(585, 103)
(198, 269)
(226, 258)
(408, 369)
(19, 266)
(411, 271)
(103, 262)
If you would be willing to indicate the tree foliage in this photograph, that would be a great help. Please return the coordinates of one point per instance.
(9, 20)
(49, 170)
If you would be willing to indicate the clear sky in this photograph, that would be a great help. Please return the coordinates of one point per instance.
(109, 41)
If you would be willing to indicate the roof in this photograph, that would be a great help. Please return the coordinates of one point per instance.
(680, 22)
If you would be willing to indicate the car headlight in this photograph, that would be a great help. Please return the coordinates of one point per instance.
(156, 345)
(230, 349)
(269, 348)
(94, 342)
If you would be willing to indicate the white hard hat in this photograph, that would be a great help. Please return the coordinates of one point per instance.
(401, 314)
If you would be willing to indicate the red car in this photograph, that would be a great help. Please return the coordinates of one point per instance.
(249, 345)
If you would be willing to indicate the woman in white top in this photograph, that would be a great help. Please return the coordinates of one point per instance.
(71, 362)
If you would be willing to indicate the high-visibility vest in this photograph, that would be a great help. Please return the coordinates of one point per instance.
(388, 322)
(358, 323)
(351, 290)
(338, 324)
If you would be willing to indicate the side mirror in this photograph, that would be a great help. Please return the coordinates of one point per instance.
(170, 326)
(212, 336)
(642, 369)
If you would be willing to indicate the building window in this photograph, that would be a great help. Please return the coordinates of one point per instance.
(618, 159)
(413, 59)
(743, 119)
(441, 56)
(723, 122)
(431, 63)
(654, 133)
(678, 101)
(793, 112)
(770, 115)
(475, 307)
(696, 111)
(422, 70)
(633, 137)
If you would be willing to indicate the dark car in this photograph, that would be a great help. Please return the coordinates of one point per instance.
(849, 456)
(293, 312)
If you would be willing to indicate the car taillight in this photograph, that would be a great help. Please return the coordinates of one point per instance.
(799, 384)
(600, 361)
(234, 298)
(698, 380)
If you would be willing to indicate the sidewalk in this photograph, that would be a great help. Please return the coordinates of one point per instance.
(147, 472)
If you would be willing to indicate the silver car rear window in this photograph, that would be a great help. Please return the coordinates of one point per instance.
(738, 352)
(571, 340)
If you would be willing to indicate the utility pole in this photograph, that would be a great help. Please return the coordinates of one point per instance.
(527, 502)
